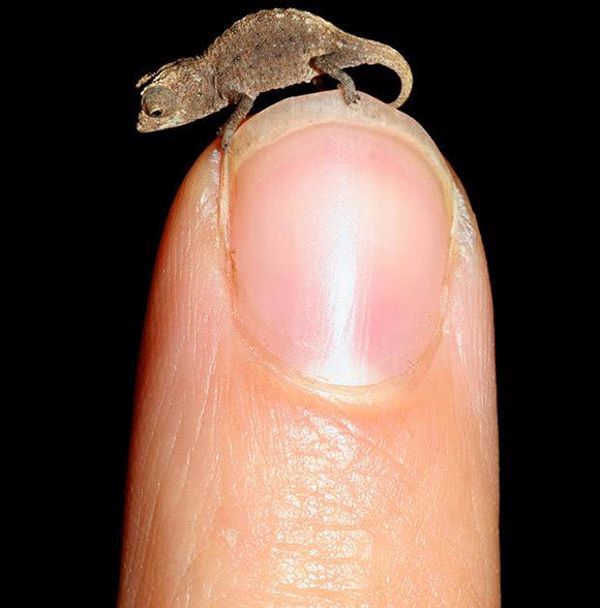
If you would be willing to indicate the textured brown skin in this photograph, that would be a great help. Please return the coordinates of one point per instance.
(270, 49)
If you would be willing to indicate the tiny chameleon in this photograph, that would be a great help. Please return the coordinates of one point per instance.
(270, 49)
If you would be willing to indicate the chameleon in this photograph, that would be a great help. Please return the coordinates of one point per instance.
(269, 49)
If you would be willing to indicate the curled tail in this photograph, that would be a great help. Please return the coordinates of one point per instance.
(378, 53)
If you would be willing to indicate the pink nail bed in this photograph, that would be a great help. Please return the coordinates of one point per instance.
(340, 237)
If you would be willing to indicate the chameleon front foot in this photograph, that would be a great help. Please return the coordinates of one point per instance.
(225, 132)
(243, 106)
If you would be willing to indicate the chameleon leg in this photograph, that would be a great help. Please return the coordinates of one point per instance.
(329, 64)
(243, 106)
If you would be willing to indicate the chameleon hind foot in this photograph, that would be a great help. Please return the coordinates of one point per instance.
(329, 64)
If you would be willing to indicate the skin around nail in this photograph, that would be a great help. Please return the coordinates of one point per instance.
(255, 479)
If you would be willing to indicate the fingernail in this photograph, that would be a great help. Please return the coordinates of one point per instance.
(340, 238)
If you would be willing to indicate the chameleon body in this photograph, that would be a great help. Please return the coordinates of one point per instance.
(270, 49)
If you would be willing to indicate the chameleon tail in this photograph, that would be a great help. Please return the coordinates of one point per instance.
(382, 54)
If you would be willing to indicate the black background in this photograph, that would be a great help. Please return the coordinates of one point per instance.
(477, 80)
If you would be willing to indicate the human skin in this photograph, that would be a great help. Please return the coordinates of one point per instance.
(315, 415)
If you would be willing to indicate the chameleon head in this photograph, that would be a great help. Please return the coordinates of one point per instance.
(176, 94)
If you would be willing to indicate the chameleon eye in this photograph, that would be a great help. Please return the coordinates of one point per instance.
(159, 102)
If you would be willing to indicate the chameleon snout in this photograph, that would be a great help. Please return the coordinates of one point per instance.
(145, 123)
